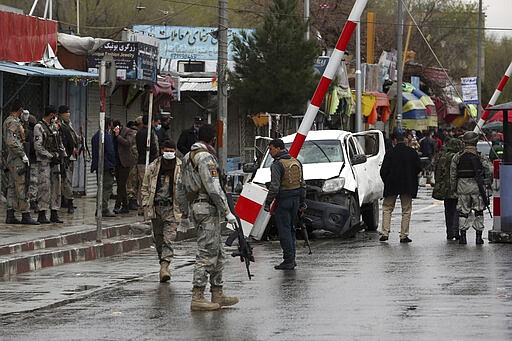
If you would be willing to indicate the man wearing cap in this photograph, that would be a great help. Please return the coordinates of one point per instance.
(189, 136)
(164, 133)
(469, 167)
(70, 142)
(158, 193)
(17, 165)
(49, 149)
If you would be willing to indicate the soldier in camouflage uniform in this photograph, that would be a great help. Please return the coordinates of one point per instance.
(70, 141)
(29, 121)
(17, 163)
(49, 150)
(158, 199)
(132, 185)
(201, 193)
(465, 167)
(443, 188)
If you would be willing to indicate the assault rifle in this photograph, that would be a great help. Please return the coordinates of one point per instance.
(304, 230)
(244, 248)
(480, 182)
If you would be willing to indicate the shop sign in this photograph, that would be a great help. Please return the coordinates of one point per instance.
(134, 60)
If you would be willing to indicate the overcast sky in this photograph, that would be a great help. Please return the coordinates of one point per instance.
(498, 16)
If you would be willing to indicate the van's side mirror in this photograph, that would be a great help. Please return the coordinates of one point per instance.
(250, 167)
(358, 159)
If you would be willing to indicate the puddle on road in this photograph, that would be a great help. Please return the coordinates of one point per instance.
(80, 288)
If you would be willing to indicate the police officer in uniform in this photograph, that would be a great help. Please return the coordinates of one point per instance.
(466, 167)
(17, 165)
(49, 150)
(201, 193)
(158, 199)
(288, 188)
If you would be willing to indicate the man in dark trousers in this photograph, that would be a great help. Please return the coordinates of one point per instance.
(399, 172)
(189, 136)
(124, 138)
(288, 188)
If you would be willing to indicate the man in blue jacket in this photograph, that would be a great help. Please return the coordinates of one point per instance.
(109, 164)
(399, 172)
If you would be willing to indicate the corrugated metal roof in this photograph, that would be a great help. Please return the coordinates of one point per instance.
(198, 84)
(37, 71)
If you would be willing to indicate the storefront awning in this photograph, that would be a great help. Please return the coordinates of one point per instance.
(36, 71)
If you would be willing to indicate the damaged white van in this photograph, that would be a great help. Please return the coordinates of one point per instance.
(341, 171)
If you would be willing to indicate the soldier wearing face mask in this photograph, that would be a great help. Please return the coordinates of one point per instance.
(49, 148)
(158, 192)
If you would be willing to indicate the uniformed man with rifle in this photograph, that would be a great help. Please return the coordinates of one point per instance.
(202, 197)
(18, 164)
(469, 172)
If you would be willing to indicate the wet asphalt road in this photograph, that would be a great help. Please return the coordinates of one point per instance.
(358, 289)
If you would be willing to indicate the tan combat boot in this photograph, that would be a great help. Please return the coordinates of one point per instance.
(218, 297)
(199, 303)
(165, 275)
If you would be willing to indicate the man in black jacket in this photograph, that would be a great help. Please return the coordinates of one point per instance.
(189, 136)
(399, 172)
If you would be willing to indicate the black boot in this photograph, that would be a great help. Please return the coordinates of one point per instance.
(26, 219)
(54, 217)
(462, 237)
(10, 218)
(71, 208)
(63, 202)
(41, 217)
(479, 239)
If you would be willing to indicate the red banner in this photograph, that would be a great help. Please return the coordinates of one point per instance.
(24, 38)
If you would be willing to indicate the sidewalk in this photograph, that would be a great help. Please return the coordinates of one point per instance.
(31, 247)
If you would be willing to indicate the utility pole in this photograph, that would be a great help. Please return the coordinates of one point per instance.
(77, 17)
(400, 32)
(306, 16)
(222, 63)
(359, 81)
(479, 60)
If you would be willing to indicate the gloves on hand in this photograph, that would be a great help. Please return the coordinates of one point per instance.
(25, 160)
(303, 207)
(231, 218)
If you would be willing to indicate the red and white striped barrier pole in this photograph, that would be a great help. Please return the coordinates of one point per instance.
(327, 76)
(494, 98)
(496, 210)
(249, 206)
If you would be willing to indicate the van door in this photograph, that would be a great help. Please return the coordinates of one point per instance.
(359, 170)
(372, 144)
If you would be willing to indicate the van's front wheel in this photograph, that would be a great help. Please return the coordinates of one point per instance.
(370, 213)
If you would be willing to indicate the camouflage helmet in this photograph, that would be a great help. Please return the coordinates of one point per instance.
(470, 138)
(454, 145)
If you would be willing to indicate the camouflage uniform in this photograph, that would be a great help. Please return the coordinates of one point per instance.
(28, 127)
(159, 204)
(133, 178)
(14, 137)
(466, 188)
(47, 146)
(201, 176)
(443, 188)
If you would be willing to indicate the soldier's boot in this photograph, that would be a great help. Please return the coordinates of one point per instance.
(41, 218)
(10, 218)
(54, 217)
(71, 207)
(462, 237)
(26, 219)
(199, 303)
(132, 205)
(479, 239)
(165, 275)
(218, 297)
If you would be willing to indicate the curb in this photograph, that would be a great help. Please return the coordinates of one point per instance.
(79, 253)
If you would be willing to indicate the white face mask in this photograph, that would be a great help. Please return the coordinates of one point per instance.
(169, 155)
(157, 128)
